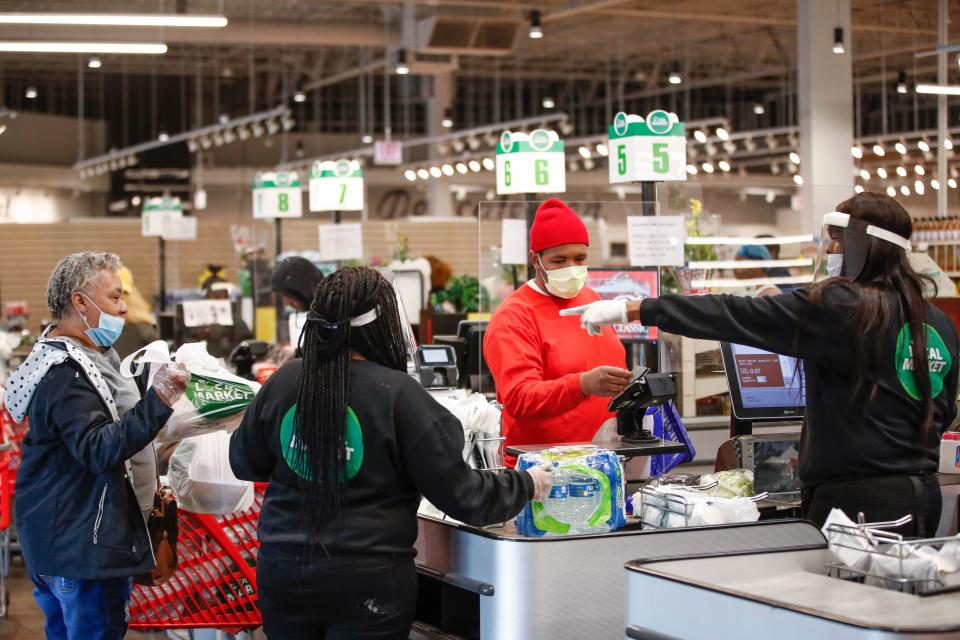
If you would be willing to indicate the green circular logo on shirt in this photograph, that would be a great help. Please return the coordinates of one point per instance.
(298, 463)
(938, 359)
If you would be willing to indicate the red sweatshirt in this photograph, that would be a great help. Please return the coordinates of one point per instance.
(536, 358)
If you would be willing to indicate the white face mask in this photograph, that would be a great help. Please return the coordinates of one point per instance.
(834, 264)
(565, 283)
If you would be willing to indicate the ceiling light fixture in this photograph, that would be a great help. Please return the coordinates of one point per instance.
(700, 136)
(602, 150)
(114, 20)
(94, 63)
(401, 68)
(536, 29)
(584, 151)
(904, 189)
(133, 48)
(163, 136)
(892, 192)
(447, 121)
(366, 138)
(902, 82)
(902, 172)
(548, 103)
(856, 152)
(299, 96)
(759, 109)
(901, 148)
(724, 166)
(447, 170)
(722, 133)
(474, 166)
(423, 174)
(461, 168)
(952, 183)
(881, 173)
(923, 145)
(864, 174)
(489, 164)
(939, 89)
(838, 40)
(794, 157)
(919, 170)
(798, 180)
(707, 167)
(918, 187)
(879, 150)
(692, 169)
(935, 184)
(435, 172)
(857, 189)
(30, 93)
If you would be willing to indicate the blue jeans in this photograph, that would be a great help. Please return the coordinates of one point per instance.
(83, 609)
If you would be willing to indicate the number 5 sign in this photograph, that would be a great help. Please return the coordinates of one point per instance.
(336, 186)
(531, 164)
(277, 195)
(647, 151)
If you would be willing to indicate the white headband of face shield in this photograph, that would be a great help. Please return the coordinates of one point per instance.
(364, 318)
(837, 219)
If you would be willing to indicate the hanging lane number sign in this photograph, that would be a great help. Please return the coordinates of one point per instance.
(533, 163)
(276, 194)
(651, 150)
(336, 186)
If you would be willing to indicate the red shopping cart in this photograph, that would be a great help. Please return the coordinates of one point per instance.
(215, 585)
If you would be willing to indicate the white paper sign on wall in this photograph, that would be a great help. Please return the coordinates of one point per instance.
(513, 241)
(387, 152)
(341, 242)
(533, 163)
(336, 186)
(656, 241)
(648, 150)
(184, 228)
(276, 194)
(205, 313)
(156, 215)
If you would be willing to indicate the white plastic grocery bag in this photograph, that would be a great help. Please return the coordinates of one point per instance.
(202, 480)
(215, 399)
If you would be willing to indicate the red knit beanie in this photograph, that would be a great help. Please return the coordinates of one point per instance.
(557, 224)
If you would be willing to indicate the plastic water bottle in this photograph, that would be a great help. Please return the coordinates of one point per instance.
(574, 498)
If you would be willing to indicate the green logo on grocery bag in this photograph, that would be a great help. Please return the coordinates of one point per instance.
(293, 451)
(214, 398)
(938, 359)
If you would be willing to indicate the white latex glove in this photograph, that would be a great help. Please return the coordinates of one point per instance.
(171, 382)
(542, 481)
(599, 314)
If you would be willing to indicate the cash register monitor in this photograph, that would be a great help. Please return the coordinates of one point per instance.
(763, 385)
(474, 371)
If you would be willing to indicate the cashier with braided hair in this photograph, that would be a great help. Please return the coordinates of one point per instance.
(349, 443)
(553, 380)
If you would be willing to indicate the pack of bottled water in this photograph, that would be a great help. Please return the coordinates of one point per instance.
(587, 494)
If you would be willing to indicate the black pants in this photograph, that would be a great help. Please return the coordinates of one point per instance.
(337, 598)
(880, 498)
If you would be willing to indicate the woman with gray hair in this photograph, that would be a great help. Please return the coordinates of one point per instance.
(82, 487)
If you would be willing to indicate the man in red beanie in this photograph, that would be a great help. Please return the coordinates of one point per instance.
(552, 378)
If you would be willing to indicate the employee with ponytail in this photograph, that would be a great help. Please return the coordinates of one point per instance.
(349, 443)
(879, 363)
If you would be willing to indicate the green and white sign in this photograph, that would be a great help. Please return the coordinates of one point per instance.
(296, 457)
(214, 398)
(336, 186)
(648, 150)
(939, 362)
(531, 163)
(158, 215)
(276, 194)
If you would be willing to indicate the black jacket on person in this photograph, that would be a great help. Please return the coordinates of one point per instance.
(77, 515)
(843, 437)
(404, 445)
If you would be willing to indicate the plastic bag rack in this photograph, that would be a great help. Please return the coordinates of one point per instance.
(884, 548)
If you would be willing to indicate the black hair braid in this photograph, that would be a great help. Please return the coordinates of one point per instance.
(323, 394)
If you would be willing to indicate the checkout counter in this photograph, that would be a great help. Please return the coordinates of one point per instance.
(493, 582)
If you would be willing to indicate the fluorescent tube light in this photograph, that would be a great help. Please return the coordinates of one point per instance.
(113, 19)
(83, 47)
(939, 89)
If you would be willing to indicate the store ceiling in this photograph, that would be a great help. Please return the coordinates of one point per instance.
(596, 56)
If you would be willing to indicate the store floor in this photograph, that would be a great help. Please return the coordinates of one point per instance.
(25, 622)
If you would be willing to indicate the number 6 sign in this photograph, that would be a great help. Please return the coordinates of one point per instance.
(648, 150)
(336, 186)
(531, 163)
(277, 195)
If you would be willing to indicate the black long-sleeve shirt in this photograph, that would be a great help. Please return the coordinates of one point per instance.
(401, 445)
(843, 437)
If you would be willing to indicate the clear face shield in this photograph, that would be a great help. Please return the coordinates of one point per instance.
(844, 248)
(409, 339)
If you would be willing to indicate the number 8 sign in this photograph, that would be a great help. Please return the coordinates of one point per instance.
(277, 195)
(648, 150)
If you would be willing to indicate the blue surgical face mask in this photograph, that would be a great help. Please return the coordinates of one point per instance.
(107, 331)
(834, 264)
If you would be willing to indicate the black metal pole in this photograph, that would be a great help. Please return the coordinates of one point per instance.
(162, 244)
(277, 250)
(531, 212)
